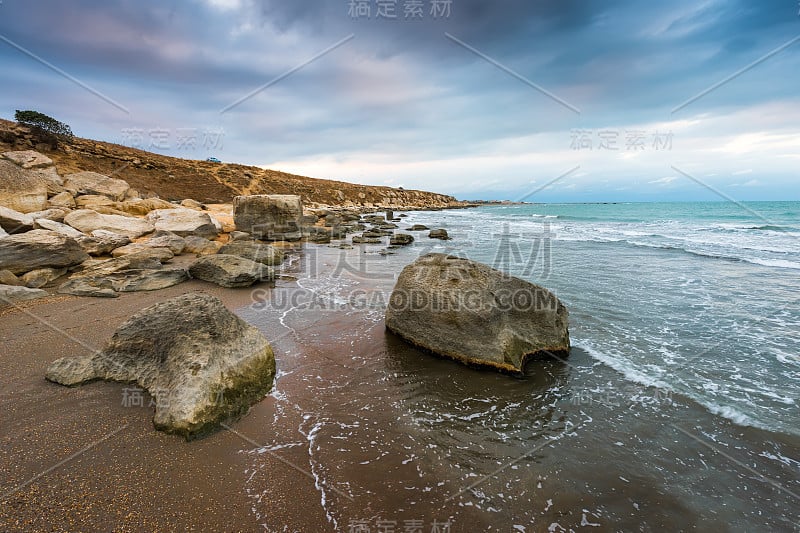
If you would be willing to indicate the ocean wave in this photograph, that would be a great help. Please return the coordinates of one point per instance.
(630, 372)
(762, 261)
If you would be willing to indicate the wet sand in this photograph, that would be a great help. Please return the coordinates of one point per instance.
(83, 460)
(362, 427)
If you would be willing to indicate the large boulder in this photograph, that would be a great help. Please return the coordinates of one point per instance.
(254, 251)
(202, 364)
(93, 183)
(230, 271)
(39, 249)
(272, 217)
(87, 221)
(182, 221)
(475, 314)
(21, 190)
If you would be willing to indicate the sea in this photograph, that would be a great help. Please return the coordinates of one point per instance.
(678, 408)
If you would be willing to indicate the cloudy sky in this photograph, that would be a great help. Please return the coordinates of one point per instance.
(562, 100)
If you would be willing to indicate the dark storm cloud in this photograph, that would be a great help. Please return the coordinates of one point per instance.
(397, 85)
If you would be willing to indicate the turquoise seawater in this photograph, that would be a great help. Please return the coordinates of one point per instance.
(699, 299)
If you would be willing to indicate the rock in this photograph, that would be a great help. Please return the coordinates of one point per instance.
(95, 287)
(166, 239)
(15, 222)
(418, 227)
(439, 234)
(474, 314)
(8, 278)
(201, 363)
(230, 270)
(240, 236)
(401, 239)
(141, 206)
(365, 240)
(108, 267)
(254, 251)
(96, 184)
(193, 204)
(53, 182)
(41, 276)
(3, 232)
(375, 233)
(148, 280)
(102, 242)
(132, 280)
(62, 199)
(58, 227)
(11, 294)
(56, 214)
(88, 221)
(271, 217)
(93, 201)
(39, 249)
(21, 190)
(161, 255)
(28, 159)
(200, 246)
(184, 222)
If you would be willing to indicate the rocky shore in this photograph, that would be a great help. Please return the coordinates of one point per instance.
(88, 234)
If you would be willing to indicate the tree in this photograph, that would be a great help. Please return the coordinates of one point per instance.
(49, 129)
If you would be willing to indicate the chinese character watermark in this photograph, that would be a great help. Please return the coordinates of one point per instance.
(181, 139)
(614, 140)
(381, 525)
(409, 10)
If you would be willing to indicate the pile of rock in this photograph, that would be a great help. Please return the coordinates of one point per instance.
(88, 234)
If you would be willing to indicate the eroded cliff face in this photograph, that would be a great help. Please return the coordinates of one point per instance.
(172, 178)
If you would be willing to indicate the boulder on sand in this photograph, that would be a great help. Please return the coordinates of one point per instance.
(475, 314)
(230, 271)
(39, 249)
(272, 217)
(202, 364)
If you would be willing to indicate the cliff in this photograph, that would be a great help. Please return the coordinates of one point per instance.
(172, 178)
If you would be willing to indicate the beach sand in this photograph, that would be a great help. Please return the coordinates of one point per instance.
(78, 459)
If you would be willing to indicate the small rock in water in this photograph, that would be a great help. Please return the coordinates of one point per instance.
(439, 234)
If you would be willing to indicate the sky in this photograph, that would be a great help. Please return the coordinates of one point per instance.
(562, 100)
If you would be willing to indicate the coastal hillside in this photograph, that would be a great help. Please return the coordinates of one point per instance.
(172, 178)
